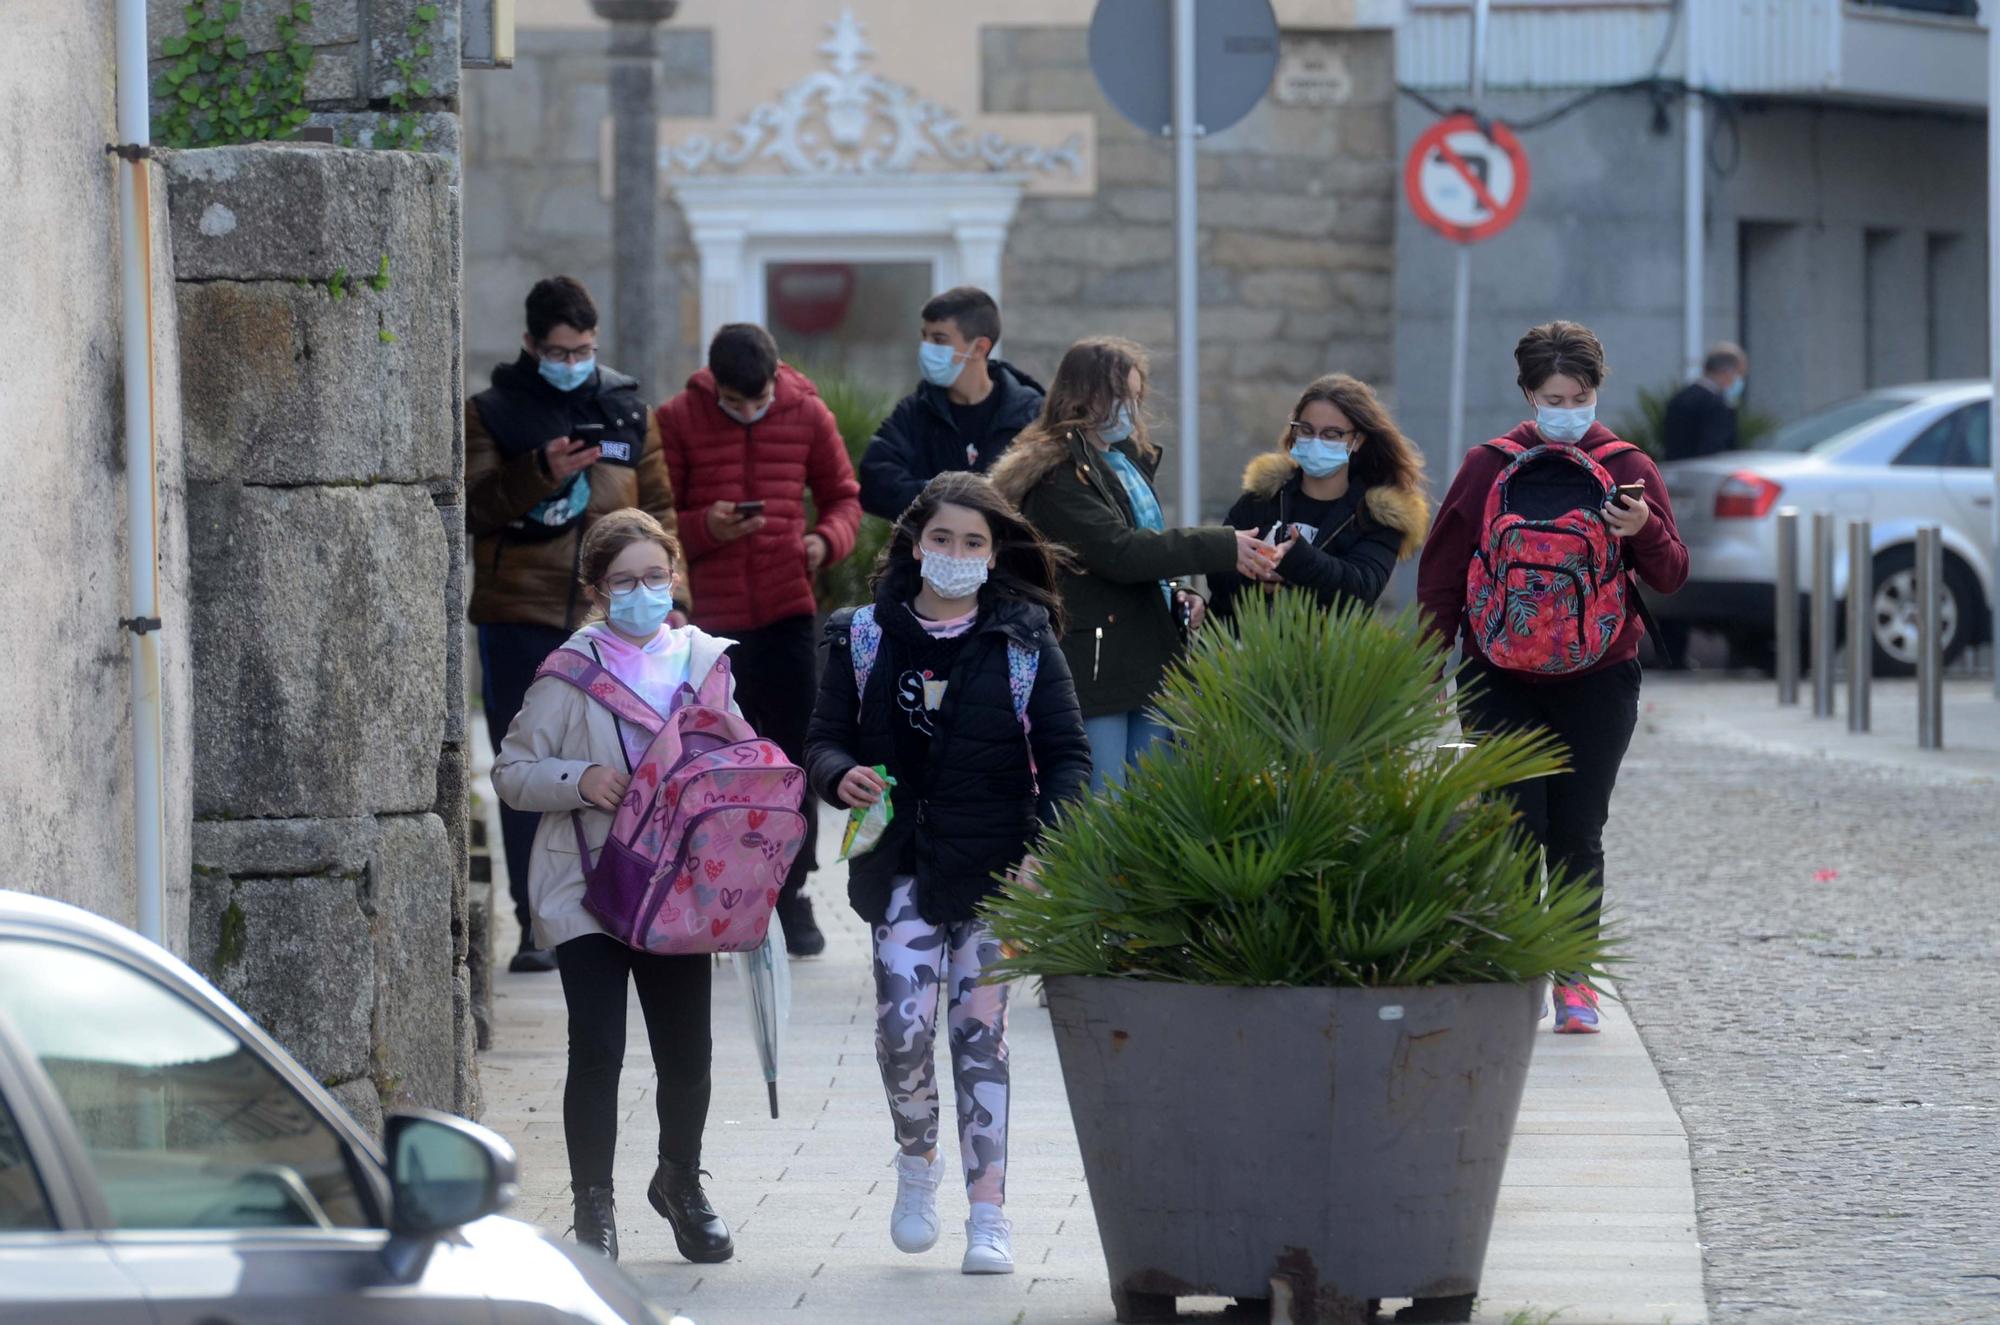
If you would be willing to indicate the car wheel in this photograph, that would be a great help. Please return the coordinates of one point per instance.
(1898, 625)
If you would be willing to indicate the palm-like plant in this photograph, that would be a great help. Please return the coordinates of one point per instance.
(1304, 829)
(858, 410)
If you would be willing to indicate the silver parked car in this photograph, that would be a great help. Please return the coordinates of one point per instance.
(163, 1162)
(1901, 457)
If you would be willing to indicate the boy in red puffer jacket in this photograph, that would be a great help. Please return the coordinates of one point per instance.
(744, 443)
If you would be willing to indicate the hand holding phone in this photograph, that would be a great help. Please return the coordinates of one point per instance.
(746, 510)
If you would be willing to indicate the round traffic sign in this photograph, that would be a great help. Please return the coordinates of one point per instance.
(1235, 54)
(1462, 183)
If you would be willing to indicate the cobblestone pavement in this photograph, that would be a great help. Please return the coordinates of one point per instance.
(1815, 940)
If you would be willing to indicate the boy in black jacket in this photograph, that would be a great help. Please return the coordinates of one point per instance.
(961, 416)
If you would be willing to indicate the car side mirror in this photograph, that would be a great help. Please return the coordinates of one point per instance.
(445, 1172)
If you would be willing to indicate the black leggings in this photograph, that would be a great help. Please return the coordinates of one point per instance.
(673, 994)
(776, 683)
(1593, 716)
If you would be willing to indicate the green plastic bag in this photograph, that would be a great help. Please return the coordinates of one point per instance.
(867, 823)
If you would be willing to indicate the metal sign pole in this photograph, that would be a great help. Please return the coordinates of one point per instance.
(1930, 644)
(1187, 276)
(1786, 626)
(1822, 614)
(1860, 622)
(1461, 287)
(1992, 16)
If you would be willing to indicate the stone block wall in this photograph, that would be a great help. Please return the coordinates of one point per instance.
(318, 297)
(369, 58)
(1297, 241)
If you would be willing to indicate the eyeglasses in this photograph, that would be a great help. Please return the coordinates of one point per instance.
(557, 354)
(1303, 432)
(657, 581)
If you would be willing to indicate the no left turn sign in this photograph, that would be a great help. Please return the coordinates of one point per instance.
(1463, 184)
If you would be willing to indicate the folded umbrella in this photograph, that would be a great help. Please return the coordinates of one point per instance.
(767, 977)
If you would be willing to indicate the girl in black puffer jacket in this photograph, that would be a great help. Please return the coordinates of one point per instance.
(969, 705)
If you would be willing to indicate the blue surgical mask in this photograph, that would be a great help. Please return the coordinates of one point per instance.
(1320, 458)
(642, 611)
(1120, 427)
(753, 416)
(1564, 425)
(568, 376)
(1734, 394)
(940, 364)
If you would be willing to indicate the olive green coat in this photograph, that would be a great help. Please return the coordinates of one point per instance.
(1122, 634)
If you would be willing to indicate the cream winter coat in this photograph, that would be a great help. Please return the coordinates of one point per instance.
(559, 734)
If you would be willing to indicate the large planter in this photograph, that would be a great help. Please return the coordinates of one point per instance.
(1330, 1146)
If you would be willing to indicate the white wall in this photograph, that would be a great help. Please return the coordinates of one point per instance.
(65, 708)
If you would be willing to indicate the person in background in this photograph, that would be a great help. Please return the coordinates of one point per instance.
(965, 602)
(1701, 416)
(746, 443)
(964, 412)
(1083, 475)
(567, 754)
(1342, 496)
(555, 444)
(1593, 709)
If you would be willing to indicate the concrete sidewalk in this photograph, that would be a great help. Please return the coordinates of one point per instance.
(1596, 1220)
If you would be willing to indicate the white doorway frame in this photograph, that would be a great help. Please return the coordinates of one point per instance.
(957, 223)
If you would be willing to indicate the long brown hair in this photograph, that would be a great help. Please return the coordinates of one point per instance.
(1027, 566)
(1385, 456)
(1091, 380)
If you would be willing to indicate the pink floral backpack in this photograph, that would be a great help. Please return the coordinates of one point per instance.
(707, 830)
(1547, 589)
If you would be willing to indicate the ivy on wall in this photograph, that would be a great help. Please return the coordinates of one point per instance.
(400, 128)
(217, 92)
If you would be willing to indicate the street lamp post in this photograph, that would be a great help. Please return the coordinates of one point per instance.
(635, 182)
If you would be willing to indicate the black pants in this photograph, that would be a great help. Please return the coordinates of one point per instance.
(1593, 716)
(673, 995)
(777, 680)
(508, 657)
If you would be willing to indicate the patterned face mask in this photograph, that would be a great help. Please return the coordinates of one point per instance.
(953, 578)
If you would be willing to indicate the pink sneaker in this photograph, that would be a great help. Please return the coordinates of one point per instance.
(1576, 1010)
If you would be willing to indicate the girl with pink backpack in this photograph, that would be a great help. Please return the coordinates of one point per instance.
(666, 830)
(1531, 563)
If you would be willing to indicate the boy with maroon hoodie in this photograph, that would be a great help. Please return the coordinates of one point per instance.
(745, 442)
(1592, 708)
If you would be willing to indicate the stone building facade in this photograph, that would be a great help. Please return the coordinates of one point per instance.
(1020, 176)
(309, 470)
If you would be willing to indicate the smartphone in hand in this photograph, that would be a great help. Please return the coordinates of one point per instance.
(749, 510)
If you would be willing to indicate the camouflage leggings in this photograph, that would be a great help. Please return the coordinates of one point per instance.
(912, 959)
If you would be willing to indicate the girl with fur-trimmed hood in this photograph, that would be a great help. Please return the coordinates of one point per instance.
(1342, 495)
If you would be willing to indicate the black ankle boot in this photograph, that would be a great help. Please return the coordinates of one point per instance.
(699, 1232)
(802, 932)
(596, 1219)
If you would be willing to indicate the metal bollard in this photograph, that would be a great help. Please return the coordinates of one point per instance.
(1787, 608)
(1822, 614)
(1860, 622)
(1930, 642)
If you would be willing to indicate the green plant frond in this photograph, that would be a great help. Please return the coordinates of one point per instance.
(1303, 829)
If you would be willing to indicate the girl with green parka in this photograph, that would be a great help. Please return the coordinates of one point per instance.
(1083, 475)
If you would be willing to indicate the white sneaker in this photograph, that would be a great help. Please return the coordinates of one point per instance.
(913, 1224)
(989, 1241)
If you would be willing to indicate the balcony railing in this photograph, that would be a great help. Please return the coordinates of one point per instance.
(1912, 53)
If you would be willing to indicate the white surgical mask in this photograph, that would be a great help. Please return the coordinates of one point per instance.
(940, 364)
(952, 578)
(747, 419)
(1120, 427)
(1564, 425)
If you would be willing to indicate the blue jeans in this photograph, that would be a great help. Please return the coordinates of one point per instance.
(1116, 739)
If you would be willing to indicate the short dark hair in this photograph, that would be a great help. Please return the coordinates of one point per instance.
(743, 358)
(1568, 348)
(559, 300)
(968, 308)
(1722, 356)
